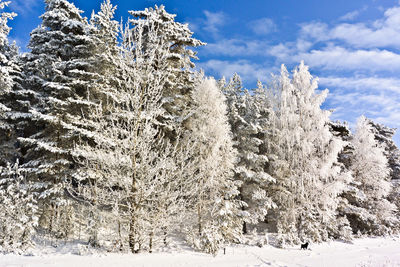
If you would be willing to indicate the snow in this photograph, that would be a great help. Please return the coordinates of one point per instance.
(364, 252)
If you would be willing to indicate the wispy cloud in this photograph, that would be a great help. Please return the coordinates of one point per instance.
(381, 33)
(339, 58)
(262, 26)
(236, 47)
(353, 14)
(23, 6)
(213, 21)
(210, 24)
(377, 84)
(247, 70)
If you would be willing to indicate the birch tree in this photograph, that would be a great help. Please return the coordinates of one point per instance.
(132, 167)
(213, 189)
(178, 42)
(303, 159)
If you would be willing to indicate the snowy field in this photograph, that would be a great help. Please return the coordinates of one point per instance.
(364, 252)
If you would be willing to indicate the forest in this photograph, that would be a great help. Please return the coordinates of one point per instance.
(109, 135)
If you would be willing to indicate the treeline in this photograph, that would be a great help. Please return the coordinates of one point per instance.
(108, 135)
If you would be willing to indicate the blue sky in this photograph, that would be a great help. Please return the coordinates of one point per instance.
(352, 46)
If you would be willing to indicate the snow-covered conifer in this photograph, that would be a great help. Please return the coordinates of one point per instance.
(59, 81)
(18, 203)
(106, 57)
(248, 118)
(5, 79)
(368, 210)
(8, 75)
(384, 135)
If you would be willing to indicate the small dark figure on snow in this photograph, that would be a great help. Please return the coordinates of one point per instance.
(304, 246)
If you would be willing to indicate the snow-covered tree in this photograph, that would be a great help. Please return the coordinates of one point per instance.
(212, 188)
(8, 73)
(303, 156)
(342, 131)
(384, 136)
(248, 118)
(368, 210)
(132, 168)
(106, 55)
(19, 210)
(61, 83)
(6, 81)
(177, 40)
(103, 80)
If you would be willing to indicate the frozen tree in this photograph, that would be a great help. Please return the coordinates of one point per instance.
(303, 156)
(19, 209)
(132, 168)
(368, 210)
(9, 70)
(103, 81)
(177, 40)
(342, 131)
(248, 118)
(62, 85)
(106, 56)
(6, 81)
(384, 136)
(212, 189)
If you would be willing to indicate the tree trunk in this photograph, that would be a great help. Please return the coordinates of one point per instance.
(244, 229)
(199, 219)
(132, 234)
(165, 235)
(151, 242)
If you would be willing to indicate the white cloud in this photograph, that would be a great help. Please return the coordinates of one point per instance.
(213, 21)
(247, 70)
(194, 27)
(262, 26)
(353, 14)
(378, 34)
(314, 30)
(339, 58)
(392, 119)
(23, 6)
(236, 47)
(350, 16)
(363, 83)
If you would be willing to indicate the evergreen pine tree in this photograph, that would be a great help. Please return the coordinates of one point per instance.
(61, 84)
(18, 203)
(368, 210)
(248, 118)
(384, 136)
(9, 72)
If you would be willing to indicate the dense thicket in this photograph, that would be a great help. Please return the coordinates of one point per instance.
(110, 136)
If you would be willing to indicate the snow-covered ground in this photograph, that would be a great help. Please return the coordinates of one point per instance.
(364, 252)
